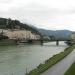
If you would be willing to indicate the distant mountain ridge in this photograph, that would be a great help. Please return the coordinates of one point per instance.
(58, 34)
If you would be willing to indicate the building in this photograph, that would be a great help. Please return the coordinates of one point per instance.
(21, 34)
(73, 36)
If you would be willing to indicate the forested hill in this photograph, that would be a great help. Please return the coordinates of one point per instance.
(11, 24)
(58, 34)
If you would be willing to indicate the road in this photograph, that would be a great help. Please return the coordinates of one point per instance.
(61, 67)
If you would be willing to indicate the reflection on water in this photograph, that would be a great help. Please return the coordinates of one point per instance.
(15, 59)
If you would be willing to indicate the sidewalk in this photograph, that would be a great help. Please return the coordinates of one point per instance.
(61, 67)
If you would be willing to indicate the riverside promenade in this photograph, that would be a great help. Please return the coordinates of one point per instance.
(61, 67)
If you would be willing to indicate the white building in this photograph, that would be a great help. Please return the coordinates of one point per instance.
(21, 34)
(34, 36)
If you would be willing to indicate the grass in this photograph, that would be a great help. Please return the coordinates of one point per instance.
(71, 70)
(51, 61)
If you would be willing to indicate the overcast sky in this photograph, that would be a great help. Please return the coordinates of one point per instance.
(48, 14)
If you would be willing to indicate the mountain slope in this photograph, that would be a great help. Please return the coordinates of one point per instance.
(58, 34)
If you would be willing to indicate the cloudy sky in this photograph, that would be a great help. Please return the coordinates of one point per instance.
(48, 14)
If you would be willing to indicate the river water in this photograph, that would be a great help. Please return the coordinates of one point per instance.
(16, 59)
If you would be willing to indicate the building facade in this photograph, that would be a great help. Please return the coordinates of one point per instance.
(21, 34)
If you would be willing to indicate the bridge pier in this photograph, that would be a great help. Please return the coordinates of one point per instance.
(41, 41)
(30, 41)
(57, 42)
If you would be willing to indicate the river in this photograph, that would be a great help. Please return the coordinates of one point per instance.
(16, 59)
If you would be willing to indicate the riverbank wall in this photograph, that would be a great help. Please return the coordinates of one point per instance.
(5, 42)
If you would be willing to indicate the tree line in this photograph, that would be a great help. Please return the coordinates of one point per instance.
(11, 24)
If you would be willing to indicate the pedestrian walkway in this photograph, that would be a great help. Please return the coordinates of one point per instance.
(61, 67)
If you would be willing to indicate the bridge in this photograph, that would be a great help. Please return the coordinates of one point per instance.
(41, 41)
(57, 41)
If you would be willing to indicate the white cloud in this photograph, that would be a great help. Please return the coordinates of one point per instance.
(50, 14)
(6, 1)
